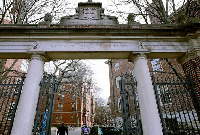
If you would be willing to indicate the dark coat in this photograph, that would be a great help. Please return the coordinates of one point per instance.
(62, 130)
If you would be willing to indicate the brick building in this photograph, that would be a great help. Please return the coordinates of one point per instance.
(74, 106)
(165, 71)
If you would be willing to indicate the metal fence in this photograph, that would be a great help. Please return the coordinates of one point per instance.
(130, 106)
(10, 91)
(43, 118)
(177, 103)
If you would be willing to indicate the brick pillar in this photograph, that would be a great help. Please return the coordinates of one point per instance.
(192, 70)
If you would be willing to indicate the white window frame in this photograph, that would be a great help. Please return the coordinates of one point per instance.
(117, 81)
(165, 91)
(73, 106)
(11, 108)
(24, 65)
(156, 65)
(116, 66)
(119, 104)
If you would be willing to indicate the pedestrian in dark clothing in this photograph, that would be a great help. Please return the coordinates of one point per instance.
(62, 130)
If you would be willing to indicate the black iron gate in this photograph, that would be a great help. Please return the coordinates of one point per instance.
(10, 91)
(130, 106)
(177, 103)
(44, 114)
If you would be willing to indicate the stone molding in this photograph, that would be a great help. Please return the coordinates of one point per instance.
(89, 13)
(193, 51)
(134, 57)
(40, 57)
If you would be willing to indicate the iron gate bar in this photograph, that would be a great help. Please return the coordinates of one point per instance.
(193, 92)
(122, 93)
(16, 104)
(127, 84)
(187, 96)
(51, 107)
(176, 103)
(136, 108)
(45, 105)
(169, 107)
(158, 102)
(39, 107)
(182, 107)
(124, 107)
(12, 98)
(186, 105)
(46, 97)
(10, 92)
(4, 93)
(177, 90)
(8, 98)
(179, 99)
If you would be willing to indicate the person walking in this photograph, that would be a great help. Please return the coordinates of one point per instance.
(85, 130)
(62, 130)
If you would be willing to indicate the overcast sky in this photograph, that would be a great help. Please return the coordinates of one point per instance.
(101, 75)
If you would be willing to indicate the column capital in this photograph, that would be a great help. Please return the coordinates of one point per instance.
(40, 56)
(193, 51)
(134, 57)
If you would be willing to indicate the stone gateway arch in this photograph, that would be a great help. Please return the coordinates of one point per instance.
(90, 34)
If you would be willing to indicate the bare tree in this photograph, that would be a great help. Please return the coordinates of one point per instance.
(163, 11)
(102, 113)
(29, 11)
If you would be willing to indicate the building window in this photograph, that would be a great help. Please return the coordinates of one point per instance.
(17, 88)
(73, 106)
(60, 97)
(73, 97)
(24, 66)
(117, 81)
(11, 111)
(156, 65)
(116, 66)
(164, 94)
(60, 118)
(72, 118)
(56, 118)
(59, 106)
(119, 104)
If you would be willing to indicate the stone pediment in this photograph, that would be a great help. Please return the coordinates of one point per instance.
(89, 13)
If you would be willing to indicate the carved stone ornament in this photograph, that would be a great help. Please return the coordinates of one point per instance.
(89, 13)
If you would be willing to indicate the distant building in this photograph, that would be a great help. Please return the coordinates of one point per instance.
(74, 106)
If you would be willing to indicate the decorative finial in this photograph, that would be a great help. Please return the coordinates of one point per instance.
(89, 0)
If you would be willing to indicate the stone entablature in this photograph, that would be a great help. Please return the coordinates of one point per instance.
(82, 41)
(90, 13)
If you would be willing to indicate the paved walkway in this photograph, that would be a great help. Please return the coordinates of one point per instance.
(77, 131)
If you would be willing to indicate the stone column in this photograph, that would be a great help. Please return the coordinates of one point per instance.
(151, 122)
(25, 114)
